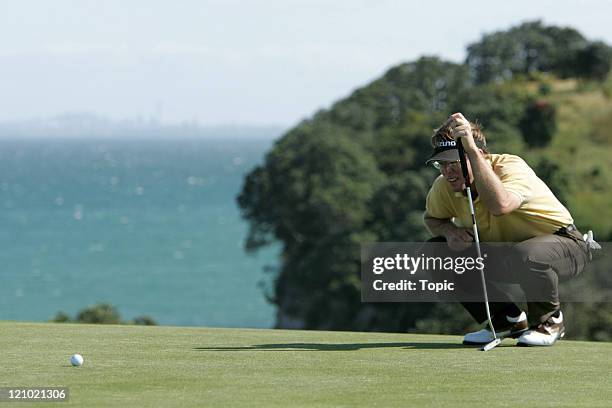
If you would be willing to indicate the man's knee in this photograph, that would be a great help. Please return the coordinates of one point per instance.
(523, 251)
(534, 255)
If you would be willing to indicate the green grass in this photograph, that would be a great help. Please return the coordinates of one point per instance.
(131, 366)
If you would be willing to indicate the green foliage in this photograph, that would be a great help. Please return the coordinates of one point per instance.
(355, 173)
(545, 88)
(607, 87)
(100, 313)
(538, 124)
(533, 47)
(402, 147)
(427, 85)
(397, 208)
(316, 182)
(602, 130)
(555, 177)
(144, 321)
(499, 108)
(593, 61)
(60, 317)
(589, 320)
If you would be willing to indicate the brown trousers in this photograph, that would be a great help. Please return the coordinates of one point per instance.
(538, 266)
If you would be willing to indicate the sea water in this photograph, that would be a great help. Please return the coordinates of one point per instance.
(149, 226)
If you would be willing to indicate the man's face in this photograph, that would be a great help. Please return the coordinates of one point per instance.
(451, 171)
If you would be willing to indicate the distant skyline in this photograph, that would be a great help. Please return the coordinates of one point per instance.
(220, 62)
(83, 125)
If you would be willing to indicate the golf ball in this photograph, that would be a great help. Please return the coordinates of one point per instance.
(76, 360)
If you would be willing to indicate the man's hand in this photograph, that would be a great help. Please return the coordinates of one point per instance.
(460, 128)
(458, 239)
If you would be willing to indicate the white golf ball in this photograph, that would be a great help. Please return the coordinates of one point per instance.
(76, 360)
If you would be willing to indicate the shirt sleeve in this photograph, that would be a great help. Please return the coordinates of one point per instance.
(437, 203)
(516, 177)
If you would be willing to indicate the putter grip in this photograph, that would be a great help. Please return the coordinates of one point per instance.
(464, 168)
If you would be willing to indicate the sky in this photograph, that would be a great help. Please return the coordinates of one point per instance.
(227, 62)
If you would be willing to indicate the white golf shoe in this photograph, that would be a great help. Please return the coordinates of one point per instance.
(544, 334)
(514, 328)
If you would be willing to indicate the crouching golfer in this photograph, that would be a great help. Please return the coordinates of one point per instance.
(512, 205)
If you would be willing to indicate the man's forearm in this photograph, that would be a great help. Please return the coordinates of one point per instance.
(490, 188)
(436, 226)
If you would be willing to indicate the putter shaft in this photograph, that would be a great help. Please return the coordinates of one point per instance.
(468, 188)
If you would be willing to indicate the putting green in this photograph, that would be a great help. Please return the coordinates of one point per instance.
(134, 366)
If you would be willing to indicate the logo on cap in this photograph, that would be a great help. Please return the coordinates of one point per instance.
(446, 143)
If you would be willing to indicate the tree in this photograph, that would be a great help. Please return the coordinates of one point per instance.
(522, 50)
(593, 61)
(538, 124)
(144, 321)
(312, 195)
(61, 317)
(101, 313)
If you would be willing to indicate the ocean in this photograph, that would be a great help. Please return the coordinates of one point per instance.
(150, 226)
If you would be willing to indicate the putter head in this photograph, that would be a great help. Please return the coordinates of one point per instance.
(491, 345)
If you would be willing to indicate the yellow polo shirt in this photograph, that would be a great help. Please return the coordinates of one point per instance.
(540, 212)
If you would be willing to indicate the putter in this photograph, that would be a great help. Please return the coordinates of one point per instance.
(496, 340)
